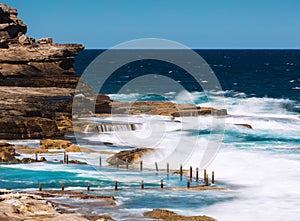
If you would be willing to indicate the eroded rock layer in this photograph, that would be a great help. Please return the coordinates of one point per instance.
(37, 80)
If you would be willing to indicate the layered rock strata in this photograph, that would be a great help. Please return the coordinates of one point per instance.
(37, 80)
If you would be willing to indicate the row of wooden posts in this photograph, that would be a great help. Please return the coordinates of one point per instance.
(205, 177)
(189, 180)
(190, 177)
(66, 161)
(66, 158)
(206, 183)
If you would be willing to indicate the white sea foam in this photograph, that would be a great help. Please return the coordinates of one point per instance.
(264, 183)
(269, 186)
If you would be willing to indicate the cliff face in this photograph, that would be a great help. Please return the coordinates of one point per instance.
(27, 62)
(10, 26)
(37, 80)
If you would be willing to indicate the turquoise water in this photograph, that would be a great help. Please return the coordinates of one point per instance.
(259, 166)
(131, 200)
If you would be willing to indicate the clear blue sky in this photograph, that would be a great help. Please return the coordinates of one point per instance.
(195, 23)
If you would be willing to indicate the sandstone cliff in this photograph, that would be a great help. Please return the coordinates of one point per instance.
(37, 80)
(27, 62)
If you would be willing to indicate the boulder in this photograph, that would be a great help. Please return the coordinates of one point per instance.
(27, 160)
(245, 125)
(45, 41)
(76, 162)
(171, 216)
(24, 40)
(7, 153)
(129, 156)
(73, 148)
(99, 217)
(43, 159)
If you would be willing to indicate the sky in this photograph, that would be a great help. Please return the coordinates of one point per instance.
(198, 24)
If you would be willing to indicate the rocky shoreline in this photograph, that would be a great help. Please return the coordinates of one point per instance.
(43, 206)
(37, 79)
(32, 206)
(37, 86)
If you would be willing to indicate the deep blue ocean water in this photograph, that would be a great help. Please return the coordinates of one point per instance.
(260, 166)
(257, 73)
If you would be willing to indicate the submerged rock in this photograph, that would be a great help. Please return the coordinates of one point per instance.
(171, 216)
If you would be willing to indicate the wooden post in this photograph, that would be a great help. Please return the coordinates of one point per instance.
(62, 186)
(156, 168)
(204, 176)
(197, 174)
(168, 169)
(213, 177)
(206, 180)
(188, 184)
(161, 184)
(67, 159)
(141, 165)
(116, 185)
(40, 187)
(100, 161)
(191, 172)
(142, 185)
(36, 156)
(88, 186)
(127, 165)
(180, 171)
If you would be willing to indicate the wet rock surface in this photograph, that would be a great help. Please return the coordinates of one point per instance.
(167, 215)
(245, 125)
(24, 206)
(128, 156)
(8, 154)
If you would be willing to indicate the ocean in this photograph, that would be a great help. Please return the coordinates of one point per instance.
(259, 167)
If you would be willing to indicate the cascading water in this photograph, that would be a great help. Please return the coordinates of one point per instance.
(103, 128)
